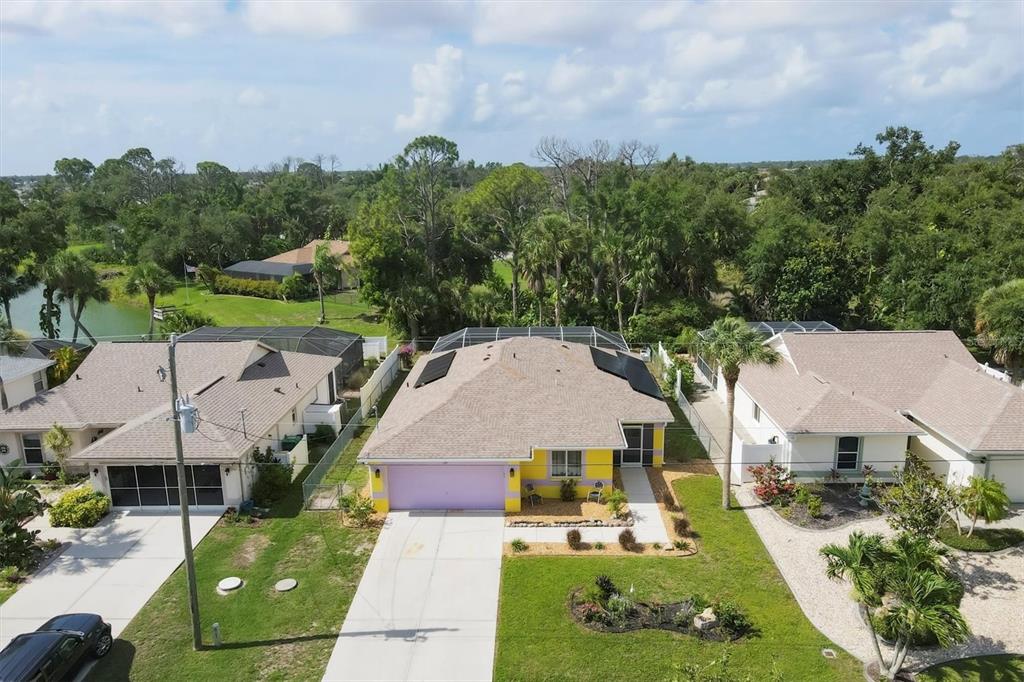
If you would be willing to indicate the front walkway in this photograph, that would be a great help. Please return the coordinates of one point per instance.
(992, 605)
(111, 569)
(647, 526)
(427, 605)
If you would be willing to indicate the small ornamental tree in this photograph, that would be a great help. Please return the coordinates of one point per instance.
(919, 500)
(58, 441)
(985, 498)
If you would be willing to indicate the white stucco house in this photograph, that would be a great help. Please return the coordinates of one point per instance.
(841, 400)
(21, 378)
(117, 408)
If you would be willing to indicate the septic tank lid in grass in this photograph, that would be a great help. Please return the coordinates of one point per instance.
(229, 584)
(286, 584)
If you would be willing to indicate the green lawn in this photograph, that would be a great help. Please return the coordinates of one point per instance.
(6, 590)
(344, 311)
(266, 635)
(681, 444)
(1001, 668)
(538, 641)
(345, 469)
(983, 539)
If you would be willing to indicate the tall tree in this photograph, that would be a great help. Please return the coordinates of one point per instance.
(553, 239)
(728, 345)
(150, 280)
(325, 269)
(497, 213)
(1000, 325)
(75, 282)
(984, 498)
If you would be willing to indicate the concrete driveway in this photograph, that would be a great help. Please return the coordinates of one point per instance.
(111, 569)
(427, 605)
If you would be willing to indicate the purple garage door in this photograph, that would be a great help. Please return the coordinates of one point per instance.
(446, 486)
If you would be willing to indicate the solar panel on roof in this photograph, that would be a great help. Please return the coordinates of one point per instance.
(436, 368)
(606, 362)
(639, 378)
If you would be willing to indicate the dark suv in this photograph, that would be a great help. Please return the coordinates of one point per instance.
(56, 650)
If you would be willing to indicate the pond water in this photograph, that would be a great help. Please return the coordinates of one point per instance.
(102, 319)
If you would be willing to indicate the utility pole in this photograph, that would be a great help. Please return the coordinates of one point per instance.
(186, 530)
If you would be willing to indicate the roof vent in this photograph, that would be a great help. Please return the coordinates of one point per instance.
(139, 389)
(78, 377)
(277, 389)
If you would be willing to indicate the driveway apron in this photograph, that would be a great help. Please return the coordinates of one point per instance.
(427, 605)
(111, 569)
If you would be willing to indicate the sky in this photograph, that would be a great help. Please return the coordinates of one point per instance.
(247, 83)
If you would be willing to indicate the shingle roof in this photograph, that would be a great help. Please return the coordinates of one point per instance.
(266, 390)
(315, 340)
(500, 399)
(864, 382)
(304, 254)
(15, 367)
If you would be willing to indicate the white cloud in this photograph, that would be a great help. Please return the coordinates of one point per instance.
(181, 18)
(345, 17)
(483, 108)
(253, 98)
(701, 52)
(436, 86)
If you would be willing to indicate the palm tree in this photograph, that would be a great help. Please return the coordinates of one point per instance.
(1000, 325)
(65, 360)
(12, 341)
(483, 303)
(858, 562)
(12, 284)
(729, 344)
(325, 264)
(985, 498)
(74, 280)
(554, 239)
(58, 441)
(152, 280)
(19, 499)
(902, 590)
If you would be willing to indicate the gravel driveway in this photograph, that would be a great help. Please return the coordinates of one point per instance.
(993, 603)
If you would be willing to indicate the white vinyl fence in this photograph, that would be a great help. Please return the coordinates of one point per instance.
(374, 347)
(379, 382)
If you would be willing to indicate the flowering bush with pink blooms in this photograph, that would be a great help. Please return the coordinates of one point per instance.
(773, 483)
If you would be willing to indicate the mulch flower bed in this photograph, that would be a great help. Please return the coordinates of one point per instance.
(840, 505)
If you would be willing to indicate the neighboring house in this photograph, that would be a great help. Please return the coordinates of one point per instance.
(314, 340)
(839, 401)
(21, 378)
(45, 348)
(298, 262)
(471, 427)
(116, 407)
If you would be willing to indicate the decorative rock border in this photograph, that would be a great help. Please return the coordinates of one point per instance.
(585, 523)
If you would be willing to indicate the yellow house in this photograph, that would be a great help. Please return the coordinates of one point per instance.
(476, 426)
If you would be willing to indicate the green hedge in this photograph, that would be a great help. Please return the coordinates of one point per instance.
(260, 288)
(79, 508)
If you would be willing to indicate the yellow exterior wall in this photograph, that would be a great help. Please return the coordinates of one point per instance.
(380, 504)
(597, 465)
(659, 446)
(536, 469)
(513, 499)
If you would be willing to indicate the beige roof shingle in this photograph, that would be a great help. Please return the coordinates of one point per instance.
(304, 254)
(503, 398)
(865, 382)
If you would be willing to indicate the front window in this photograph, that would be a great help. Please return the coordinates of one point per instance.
(37, 380)
(566, 463)
(848, 453)
(32, 448)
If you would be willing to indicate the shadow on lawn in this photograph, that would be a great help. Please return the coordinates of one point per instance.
(116, 666)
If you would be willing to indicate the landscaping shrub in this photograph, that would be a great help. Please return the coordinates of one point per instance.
(592, 612)
(49, 471)
(669, 501)
(12, 575)
(607, 587)
(814, 506)
(260, 288)
(598, 545)
(682, 545)
(698, 602)
(359, 377)
(184, 321)
(324, 433)
(18, 545)
(619, 608)
(272, 484)
(772, 483)
(656, 545)
(616, 501)
(627, 540)
(567, 491)
(681, 525)
(360, 509)
(593, 595)
(731, 618)
(79, 508)
(574, 539)
(519, 545)
(295, 288)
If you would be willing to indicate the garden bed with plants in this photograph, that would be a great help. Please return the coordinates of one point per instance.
(605, 608)
(819, 506)
(626, 545)
(571, 510)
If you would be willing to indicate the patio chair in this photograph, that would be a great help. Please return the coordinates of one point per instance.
(596, 492)
(532, 494)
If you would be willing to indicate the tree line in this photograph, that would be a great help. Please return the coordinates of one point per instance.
(898, 235)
